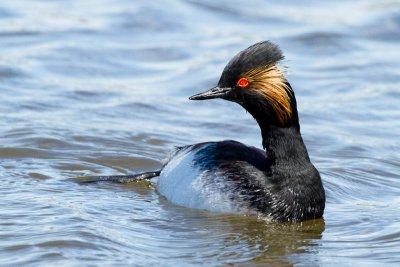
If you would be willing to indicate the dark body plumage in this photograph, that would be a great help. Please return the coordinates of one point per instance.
(279, 183)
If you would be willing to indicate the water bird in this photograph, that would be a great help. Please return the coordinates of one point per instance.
(278, 183)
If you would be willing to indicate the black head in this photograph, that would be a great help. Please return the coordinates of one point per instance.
(253, 79)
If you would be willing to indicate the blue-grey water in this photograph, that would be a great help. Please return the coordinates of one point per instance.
(101, 87)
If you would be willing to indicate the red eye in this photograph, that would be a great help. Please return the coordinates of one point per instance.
(243, 82)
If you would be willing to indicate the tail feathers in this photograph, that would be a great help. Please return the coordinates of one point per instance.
(122, 179)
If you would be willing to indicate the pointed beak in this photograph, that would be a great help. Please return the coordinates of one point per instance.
(215, 92)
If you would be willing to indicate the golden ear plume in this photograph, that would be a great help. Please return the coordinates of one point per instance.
(272, 84)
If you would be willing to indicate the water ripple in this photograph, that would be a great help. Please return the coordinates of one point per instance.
(101, 88)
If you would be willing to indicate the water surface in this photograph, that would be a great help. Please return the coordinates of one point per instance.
(101, 87)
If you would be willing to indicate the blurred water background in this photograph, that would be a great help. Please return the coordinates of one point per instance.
(101, 87)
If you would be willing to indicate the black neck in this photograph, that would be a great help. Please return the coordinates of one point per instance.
(285, 145)
(282, 142)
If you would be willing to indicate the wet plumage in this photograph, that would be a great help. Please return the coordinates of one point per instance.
(278, 183)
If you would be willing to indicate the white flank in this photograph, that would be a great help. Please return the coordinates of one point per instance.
(184, 184)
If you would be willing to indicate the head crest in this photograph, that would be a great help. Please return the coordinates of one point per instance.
(257, 64)
(258, 55)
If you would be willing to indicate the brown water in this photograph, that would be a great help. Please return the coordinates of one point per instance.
(101, 87)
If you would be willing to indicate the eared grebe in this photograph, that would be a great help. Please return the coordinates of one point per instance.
(279, 183)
